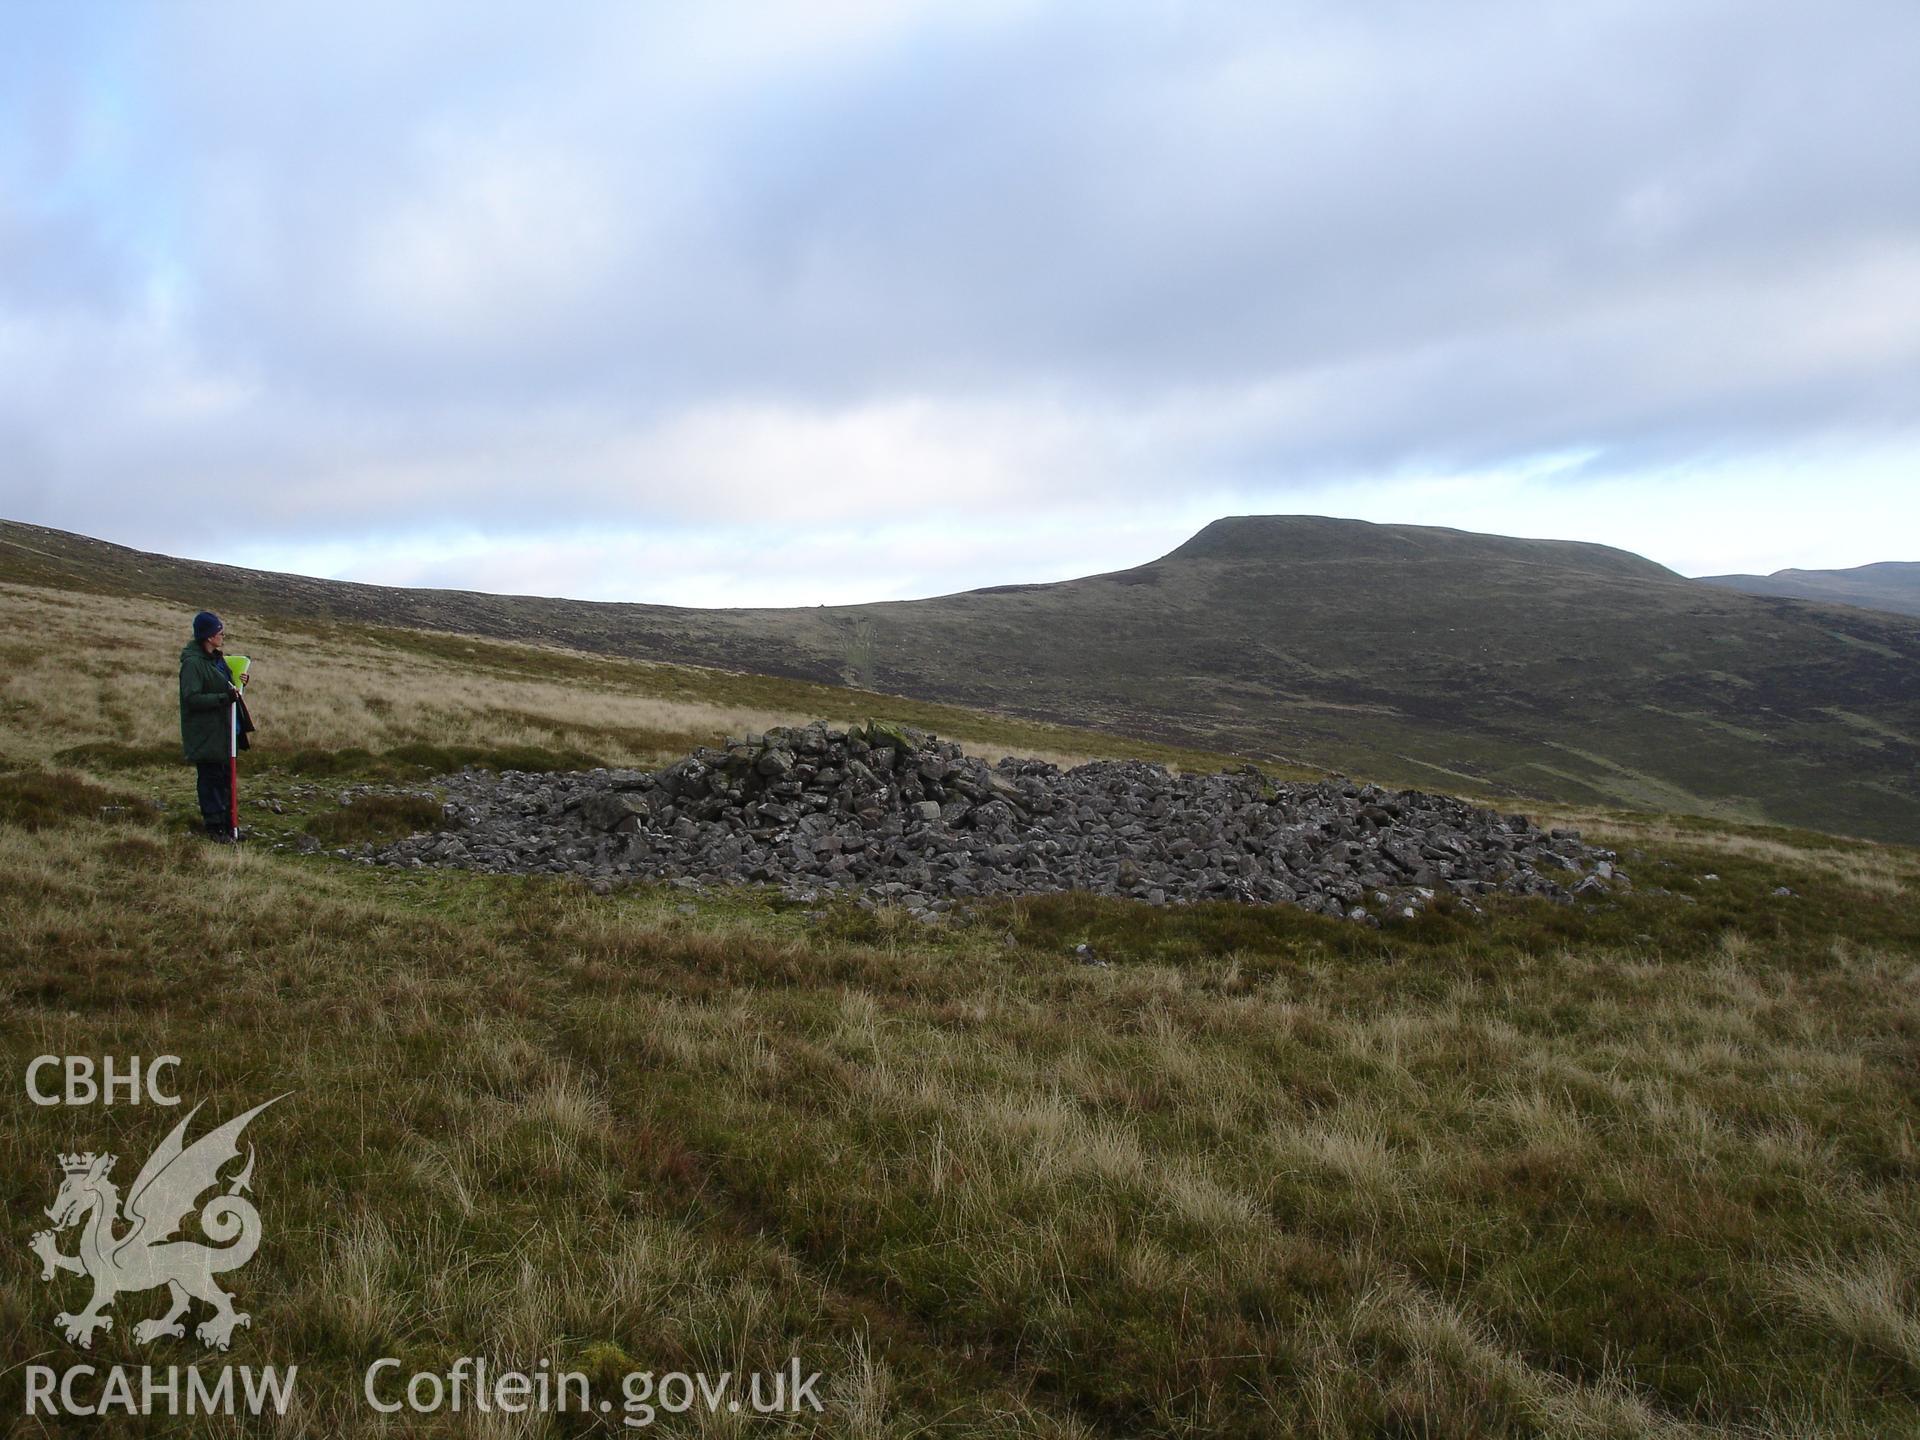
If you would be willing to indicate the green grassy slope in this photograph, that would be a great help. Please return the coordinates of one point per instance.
(1436, 657)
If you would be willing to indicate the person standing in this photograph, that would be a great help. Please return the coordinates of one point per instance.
(206, 693)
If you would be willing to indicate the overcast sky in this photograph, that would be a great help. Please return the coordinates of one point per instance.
(799, 302)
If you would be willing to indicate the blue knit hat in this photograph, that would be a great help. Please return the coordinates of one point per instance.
(206, 624)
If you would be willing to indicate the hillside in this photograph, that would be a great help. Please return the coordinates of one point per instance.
(1889, 585)
(1058, 1166)
(1429, 656)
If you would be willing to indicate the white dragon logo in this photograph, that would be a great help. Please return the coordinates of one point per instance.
(145, 1256)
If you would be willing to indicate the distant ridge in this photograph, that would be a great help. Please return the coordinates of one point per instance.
(1889, 585)
(1272, 538)
(1441, 658)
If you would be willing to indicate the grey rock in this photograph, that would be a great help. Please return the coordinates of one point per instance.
(610, 809)
(888, 815)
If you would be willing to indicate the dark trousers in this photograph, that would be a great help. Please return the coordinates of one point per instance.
(216, 794)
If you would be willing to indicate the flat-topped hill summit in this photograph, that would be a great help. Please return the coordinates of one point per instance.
(1317, 539)
(1434, 657)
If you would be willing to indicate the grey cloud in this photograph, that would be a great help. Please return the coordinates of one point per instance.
(412, 260)
(1089, 193)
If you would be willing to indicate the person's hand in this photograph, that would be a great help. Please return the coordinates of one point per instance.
(233, 692)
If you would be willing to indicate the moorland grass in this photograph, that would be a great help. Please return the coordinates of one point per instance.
(95, 689)
(1644, 1168)
(376, 817)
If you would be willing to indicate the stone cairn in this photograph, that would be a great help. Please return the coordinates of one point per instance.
(890, 815)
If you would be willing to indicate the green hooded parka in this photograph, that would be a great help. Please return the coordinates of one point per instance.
(204, 696)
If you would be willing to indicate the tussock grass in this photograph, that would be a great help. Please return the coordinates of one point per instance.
(34, 800)
(1872, 1300)
(1252, 1179)
(376, 817)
